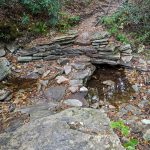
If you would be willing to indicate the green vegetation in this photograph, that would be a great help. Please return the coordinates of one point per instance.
(121, 126)
(131, 144)
(133, 19)
(33, 16)
(125, 130)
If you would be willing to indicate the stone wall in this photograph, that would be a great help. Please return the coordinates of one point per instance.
(100, 51)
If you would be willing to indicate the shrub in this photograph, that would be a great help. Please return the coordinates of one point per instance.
(48, 7)
(132, 17)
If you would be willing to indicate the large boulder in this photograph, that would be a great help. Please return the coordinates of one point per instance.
(72, 129)
(4, 68)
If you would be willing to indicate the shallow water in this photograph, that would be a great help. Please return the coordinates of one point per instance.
(119, 90)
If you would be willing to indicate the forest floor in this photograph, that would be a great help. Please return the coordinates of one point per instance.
(26, 85)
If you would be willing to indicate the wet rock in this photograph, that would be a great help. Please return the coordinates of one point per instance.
(4, 68)
(2, 52)
(25, 59)
(73, 102)
(67, 69)
(146, 136)
(145, 121)
(55, 93)
(74, 128)
(73, 89)
(61, 79)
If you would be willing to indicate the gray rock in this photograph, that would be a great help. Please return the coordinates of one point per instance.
(79, 66)
(32, 75)
(25, 59)
(85, 74)
(133, 109)
(83, 39)
(72, 129)
(75, 82)
(136, 87)
(64, 38)
(110, 48)
(4, 68)
(55, 93)
(2, 52)
(83, 59)
(51, 57)
(73, 102)
(61, 79)
(145, 121)
(39, 111)
(146, 136)
(100, 35)
(4, 94)
(83, 89)
(126, 58)
(73, 89)
(143, 103)
(125, 47)
(67, 69)
(63, 61)
(11, 47)
(104, 61)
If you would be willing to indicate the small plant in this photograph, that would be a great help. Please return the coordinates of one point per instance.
(121, 126)
(39, 27)
(25, 19)
(66, 21)
(122, 38)
(131, 145)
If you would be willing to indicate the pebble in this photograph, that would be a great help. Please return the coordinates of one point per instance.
(73, 89)
(73, 102)
(145, 121)
(83, 89)
(61, 79)
(67, 69)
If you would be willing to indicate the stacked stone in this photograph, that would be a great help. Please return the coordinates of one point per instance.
(51, 51)
(126, 53)
(65, 40)
(106, 53)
